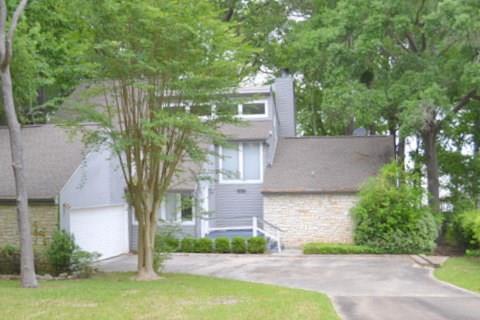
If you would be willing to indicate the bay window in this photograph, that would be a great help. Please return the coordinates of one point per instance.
(241, 163)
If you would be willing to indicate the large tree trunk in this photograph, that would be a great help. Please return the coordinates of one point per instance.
(146, 246)
(16, 146)
(429, 137)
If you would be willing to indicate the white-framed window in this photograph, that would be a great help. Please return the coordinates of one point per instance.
(253, 109)
(241, 163)
(249, 110)
(175, 208)
(178, 208)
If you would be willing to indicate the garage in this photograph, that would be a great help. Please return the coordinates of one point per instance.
(101, 229)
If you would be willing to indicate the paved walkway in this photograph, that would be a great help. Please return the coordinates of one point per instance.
(361, 287)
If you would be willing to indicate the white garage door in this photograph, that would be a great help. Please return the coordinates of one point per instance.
(103, 230)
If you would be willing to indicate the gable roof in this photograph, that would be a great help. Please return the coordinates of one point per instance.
(50, 158)
(326, 164)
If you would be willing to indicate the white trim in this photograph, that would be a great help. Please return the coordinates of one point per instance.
(240, 166)
(253, 116)
(98, 206)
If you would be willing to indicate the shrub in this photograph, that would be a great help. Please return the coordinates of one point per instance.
(256, 245)
(9, 260)
(60, 252)
(186, 245)
(239, 245)
(203, 245)
(222, 245)
(390, 215)
(82, 263)
(338, 248)
(469, 223)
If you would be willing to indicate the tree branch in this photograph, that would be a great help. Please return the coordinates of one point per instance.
(11, 32)
(465, 99)
(3, 23)
(411, 42)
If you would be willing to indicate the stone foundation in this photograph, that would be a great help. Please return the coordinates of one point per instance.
(44, 222)
(311, 217)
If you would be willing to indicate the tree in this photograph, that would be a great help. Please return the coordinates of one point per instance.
(404, 67)
(7, 33)
(153, 59)
(49, 59)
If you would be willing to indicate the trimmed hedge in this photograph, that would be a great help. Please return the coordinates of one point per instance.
(256, 245)
(338, 248)
(203, 245)
(222, 245)
(239, 245)
(186, 244)
(253, 245)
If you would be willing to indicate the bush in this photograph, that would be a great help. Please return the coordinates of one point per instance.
(9, 260)
(222, 245)
(186, 245)
(390, 215)
(203, 245)
(239, 245)
(82, 263)
(256, 245)
(338, 248)
(469, 223)
(60, 252)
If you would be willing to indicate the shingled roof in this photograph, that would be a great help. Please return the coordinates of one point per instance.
(326, 164)
(50, 156)
(251, 130)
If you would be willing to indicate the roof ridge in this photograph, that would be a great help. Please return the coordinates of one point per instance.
(337, 137)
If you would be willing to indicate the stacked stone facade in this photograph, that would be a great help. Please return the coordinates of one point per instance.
(44, 222)
(311, 217)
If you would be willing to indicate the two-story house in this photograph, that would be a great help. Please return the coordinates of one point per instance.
(268, 181)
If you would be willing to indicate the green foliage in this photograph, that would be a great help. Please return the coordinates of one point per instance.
(222, 245)
(9, 260)
(166, 239)
(239, 245)
(390, 215)
(472, 252)
(186, 244)
(338, 248)
(469, 223)
(203, 245)
(60, 251)
(256, 245)
(82, 263)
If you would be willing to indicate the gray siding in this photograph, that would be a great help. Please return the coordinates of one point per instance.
(95, 183)
(236, 204)
(285, 103)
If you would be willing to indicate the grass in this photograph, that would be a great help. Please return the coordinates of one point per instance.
(337, 248)
(461, 271)
(116, 296)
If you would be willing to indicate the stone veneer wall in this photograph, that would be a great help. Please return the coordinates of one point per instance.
(44, 219)
(311, 217)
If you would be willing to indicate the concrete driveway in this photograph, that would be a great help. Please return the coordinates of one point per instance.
(361, 287)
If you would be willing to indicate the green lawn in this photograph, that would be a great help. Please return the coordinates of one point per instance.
(461, 271)
(116, 296)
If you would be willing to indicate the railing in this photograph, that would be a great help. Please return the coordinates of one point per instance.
(273, 232)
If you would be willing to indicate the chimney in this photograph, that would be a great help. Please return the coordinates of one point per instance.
(283, 89)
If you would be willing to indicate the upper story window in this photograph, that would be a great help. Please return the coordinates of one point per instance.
(257, 109)
(241, 163)
(249, 110)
